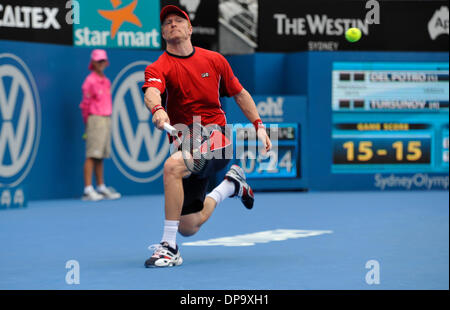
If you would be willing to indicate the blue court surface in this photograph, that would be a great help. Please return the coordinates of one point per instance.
(289, 241)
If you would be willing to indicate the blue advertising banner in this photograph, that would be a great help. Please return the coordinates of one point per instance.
(333, 132)
(41, 145)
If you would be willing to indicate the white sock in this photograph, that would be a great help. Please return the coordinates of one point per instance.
(101, 188)
(88, 189)
(222, 191)
(170, 233)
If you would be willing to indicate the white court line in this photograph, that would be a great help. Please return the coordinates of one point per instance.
(259, 237)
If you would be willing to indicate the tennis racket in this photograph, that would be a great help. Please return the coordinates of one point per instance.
(191, 146)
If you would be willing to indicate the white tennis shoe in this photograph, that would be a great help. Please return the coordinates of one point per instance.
(237, 175)
(92, 196)
(109, 193)
(164, 256)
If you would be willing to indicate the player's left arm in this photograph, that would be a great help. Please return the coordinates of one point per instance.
(248, 107)
(230, 86)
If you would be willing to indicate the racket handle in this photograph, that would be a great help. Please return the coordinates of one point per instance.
(170, 129)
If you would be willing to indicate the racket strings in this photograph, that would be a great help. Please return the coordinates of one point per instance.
(193, 146)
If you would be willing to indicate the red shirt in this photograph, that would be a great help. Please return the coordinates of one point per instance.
(192, 85)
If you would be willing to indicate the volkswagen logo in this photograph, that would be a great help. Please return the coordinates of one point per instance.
(20, 120)
(139, 149)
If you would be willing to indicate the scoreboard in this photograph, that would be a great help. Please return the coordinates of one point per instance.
(390, 117)
(285, 118)
(280, 162)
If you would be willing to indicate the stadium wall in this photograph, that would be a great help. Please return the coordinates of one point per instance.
(52, 75)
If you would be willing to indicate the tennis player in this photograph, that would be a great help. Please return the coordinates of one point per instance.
(191, 80)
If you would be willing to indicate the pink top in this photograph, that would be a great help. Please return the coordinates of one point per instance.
(96, 96)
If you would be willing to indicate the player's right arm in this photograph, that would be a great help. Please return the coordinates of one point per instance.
(153, 87)
(152, 100)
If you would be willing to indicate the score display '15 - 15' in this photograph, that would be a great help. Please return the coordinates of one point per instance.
(381, 151)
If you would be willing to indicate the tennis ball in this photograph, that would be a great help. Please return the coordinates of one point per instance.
(353, 35)
(84, 136)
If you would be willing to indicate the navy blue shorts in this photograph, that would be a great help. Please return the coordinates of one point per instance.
(196, 186)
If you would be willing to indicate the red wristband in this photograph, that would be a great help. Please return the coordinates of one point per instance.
(258, 124)
(156, 108)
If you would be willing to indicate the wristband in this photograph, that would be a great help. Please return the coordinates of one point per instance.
(258, 124)
(156, 108)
